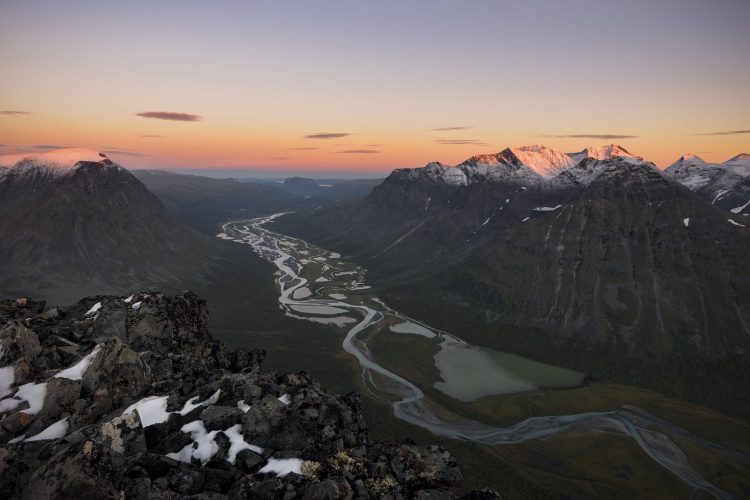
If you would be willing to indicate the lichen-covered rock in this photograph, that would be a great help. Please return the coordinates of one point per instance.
(132, 398)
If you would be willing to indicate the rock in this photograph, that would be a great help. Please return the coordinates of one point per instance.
(17, 422)
(330, 489)
(51, 314)
(220, 417)
(62, 394)
(124, 435)
(248, 461)
(76, 472)
(120, 370)
(187, 482)
(425, 467)
(17, 342)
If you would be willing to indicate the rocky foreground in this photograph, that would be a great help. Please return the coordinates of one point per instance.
(131, 397)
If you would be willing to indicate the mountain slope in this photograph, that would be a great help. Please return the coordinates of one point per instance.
(609, 257)
(205, 202)
(74, 221)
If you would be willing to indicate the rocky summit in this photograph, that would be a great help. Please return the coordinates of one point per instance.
(131, 397)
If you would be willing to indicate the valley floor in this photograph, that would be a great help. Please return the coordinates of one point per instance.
(578, 462)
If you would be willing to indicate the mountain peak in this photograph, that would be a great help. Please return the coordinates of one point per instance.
(691, 158)
(537, 158)
(740, 158)
(55, 162)
(65, 158)
(605, 152)
(542, 160)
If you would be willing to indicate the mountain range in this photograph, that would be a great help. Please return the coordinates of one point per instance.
(597, 259)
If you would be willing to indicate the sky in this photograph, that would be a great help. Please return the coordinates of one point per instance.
(359, 88)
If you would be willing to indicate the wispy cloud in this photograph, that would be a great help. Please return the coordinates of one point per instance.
(589, 136)
(301, 149)
(279, 158)
(461, 142)
(727, 132)
(45, 147)
(125, 153)
(327, 135)
(115, 151)
(151, 136)
(170, 115)
(360, 151)
(449, 129)
(14, 113)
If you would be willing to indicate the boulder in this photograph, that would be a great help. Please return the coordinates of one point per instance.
(17, 342)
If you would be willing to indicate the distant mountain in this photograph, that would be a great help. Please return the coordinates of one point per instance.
(73, 222)
(330, 190)
(605, 263)
(725, 185)
(205, 202)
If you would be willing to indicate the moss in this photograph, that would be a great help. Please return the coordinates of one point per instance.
(381, 486)
(311, 469)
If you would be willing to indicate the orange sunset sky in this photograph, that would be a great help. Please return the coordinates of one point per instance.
(364, 87)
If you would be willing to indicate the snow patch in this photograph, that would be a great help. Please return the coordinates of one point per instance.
(7, 378)
(238, 443)
(282, 466)
(76, 371)
(547, 209)
(152, 410)
(739, 209)
(58, 430)
(735, 223)
(94, 309)
(203, 446)
(32, 393)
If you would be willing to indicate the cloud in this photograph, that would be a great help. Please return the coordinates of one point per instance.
(461, 142)
(360, 151)
(727, 132)
(169, 115)
(121, 152)
(589, 136)
(279, 158)
(44, 147)
(109, 150)
(14, 113)
(327, 135)
(151, 136)
(301, 149)
(449, 129)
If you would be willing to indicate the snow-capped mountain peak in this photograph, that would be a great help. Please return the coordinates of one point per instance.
(55, 162)
(606, 152)
(690, 157)
(740, 164)
(542, 160)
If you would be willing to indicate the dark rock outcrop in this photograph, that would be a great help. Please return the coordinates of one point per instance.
(132, 398)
